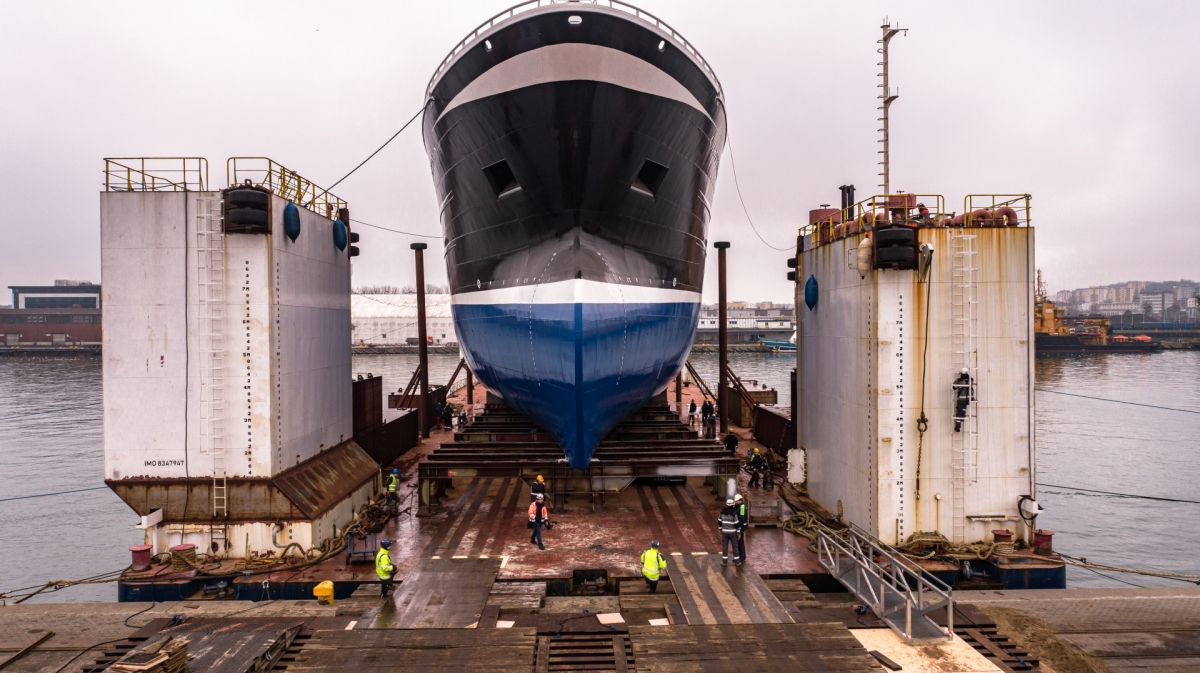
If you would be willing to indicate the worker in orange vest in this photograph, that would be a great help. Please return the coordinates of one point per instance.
(539, 513)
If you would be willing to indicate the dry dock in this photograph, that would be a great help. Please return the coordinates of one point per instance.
(1067, 631)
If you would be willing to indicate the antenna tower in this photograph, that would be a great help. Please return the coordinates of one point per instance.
(887, 97)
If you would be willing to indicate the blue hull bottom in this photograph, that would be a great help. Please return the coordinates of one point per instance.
(576, 369)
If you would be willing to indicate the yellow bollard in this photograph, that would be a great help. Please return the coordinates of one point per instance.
(324, 593)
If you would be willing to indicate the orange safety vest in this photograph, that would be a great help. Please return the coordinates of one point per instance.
(533, 511)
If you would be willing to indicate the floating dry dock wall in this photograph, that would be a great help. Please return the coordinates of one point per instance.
(227, 373)
(881, 345)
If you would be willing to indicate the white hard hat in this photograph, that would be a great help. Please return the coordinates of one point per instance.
(738, 496)
(965, 370)
(729, 501)
(541, 496)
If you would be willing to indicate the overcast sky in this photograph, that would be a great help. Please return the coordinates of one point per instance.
(1090, 107)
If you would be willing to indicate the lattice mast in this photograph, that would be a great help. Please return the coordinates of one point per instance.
(886, 96)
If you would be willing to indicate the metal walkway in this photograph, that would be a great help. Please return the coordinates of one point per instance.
(898, 591)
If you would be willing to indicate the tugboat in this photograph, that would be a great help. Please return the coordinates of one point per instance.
(1055, 332)
(574, 150)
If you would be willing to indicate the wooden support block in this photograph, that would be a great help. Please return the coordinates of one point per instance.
(543, 655)
(639, 588)
(489, 617)
(511, 601)
(619, 659)
(786, 585)
(676, 615)
(538, 588)
(654, 602)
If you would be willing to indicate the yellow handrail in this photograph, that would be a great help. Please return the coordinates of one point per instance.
(284, 182)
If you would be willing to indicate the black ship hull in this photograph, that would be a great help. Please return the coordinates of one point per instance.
(575, 163)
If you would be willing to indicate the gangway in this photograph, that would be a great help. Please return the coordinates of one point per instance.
(900, 593)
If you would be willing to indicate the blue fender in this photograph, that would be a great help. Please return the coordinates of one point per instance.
(291, 221)
(810, 293)
(339, 234)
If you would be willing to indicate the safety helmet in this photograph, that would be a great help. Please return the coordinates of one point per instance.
(729, 502)
(654, 544)
(541, 496)
(756, 450)
(965, 370)
(385, 544)
(395, 471)
(540, 478)
(738, 496)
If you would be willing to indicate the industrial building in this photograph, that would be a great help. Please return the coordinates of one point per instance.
(748, 324)
(391, 319)
(45, 319)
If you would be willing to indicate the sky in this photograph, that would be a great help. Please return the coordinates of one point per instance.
(1087, 106)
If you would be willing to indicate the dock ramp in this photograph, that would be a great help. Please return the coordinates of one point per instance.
(899, 592)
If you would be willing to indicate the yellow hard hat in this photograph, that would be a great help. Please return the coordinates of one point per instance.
(540, 478)
(756, 450)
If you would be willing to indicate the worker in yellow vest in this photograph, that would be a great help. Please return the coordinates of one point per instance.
(653, 564)
(384, 568)
(393, 482)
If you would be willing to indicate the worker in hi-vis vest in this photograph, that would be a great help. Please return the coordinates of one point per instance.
(384, 568)
(652, 565)
(393, 482)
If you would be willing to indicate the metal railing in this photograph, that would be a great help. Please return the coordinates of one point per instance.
(156, 174)
(899, 592)
(475, 35)
(979, 210)
(283, 182)
(875, 211)
(992, 207)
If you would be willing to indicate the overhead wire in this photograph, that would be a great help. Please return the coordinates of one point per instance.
(1114, 494)
(394, 231)
(389, 140)
(1105, 399)
(733, 162)
(43, 495)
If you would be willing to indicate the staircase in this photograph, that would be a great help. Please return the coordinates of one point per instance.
(212, 347)
(899, 592)
(964, 313)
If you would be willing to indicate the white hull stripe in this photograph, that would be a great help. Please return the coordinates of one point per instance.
(570, 62)
(577, 291)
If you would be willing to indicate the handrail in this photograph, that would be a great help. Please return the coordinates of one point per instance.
(156, 174)
(645, 16)
(283, 182)
(1018, 202)
(877, 573)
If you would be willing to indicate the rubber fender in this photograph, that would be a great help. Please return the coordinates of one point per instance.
(248, 218)
(863, 261)
(810, 292)
(354, 251)
(885, 238)
(291, 222)
(248, 198)
(353, 237)
(903, 255)
(791, 275)
(339, 234)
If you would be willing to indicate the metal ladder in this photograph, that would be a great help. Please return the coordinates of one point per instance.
(898, 591)
(964, 302)
(213, 318)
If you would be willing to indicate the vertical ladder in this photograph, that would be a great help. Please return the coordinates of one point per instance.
(964, 300)
(211, 333)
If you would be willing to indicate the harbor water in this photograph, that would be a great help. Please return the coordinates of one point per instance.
(51, 442)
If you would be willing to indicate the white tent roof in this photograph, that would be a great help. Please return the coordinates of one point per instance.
(398, 306)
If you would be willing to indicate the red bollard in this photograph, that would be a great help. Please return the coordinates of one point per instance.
(141, 557)
(1043, 541)
(1002, 535)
